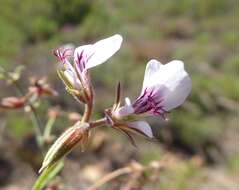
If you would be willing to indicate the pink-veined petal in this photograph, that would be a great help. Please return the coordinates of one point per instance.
(82, 55)
(94, 54)
(64, 54)
(142, 126)
(171, 80)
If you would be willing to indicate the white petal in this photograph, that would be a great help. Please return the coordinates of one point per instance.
(101, 51)
(104, 49)
(175, 82)
(126, 109)
(143, 126)
(151, 69)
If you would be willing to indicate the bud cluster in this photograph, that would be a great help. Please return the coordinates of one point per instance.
(37, 89)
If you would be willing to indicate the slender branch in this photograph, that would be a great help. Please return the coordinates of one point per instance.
(135, 181)
(48, 127)
(110, 176)
(34, 116)
(37, 125)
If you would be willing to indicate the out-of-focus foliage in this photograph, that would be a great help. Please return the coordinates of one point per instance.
(28, 21)
(71, 12)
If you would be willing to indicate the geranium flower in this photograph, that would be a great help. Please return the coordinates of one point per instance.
(75, 75)
(165, 87)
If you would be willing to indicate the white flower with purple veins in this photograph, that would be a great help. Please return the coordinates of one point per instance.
(76, 62)
(165, 87)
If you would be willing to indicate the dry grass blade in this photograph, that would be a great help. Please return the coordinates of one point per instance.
(111, 176)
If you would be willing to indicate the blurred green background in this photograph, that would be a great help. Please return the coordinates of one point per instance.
(202, 33)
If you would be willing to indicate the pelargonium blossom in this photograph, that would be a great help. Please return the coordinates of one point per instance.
(165, 87)
(75, 76)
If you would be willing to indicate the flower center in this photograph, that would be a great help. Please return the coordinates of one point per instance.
(149, 102)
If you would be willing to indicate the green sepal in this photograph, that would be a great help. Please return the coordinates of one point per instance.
(64, 79)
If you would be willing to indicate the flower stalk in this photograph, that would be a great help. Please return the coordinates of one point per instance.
(99, 123)
(34, 117)
(88, 111)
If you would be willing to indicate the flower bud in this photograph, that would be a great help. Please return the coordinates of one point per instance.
(13, 102)
(76, 134)
(40, 87)
(76, 62)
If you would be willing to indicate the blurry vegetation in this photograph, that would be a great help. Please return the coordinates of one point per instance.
(29, 20)
(204, 34)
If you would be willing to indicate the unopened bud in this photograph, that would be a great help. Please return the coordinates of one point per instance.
(76, 134)
(13, 102)
(41, 87)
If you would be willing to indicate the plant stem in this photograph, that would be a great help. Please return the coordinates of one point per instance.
(34, 117)
(88, 111)
(48, 127)
(37, 127)
(98, 123)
